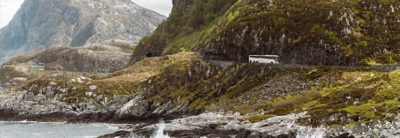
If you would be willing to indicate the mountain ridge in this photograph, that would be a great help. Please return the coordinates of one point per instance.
(41, 24)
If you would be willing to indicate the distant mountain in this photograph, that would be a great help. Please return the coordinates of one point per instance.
(312, 32)
(41, 24)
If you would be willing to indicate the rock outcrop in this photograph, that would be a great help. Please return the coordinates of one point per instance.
(71, 96)
(268, 98)
(301, 32)
(41, 24)
(236, 125)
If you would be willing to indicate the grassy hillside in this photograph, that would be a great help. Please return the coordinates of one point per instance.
(346, 97)
(315, 32)
(183, 84)
(124, 82)
(318, 32)
(182, 30)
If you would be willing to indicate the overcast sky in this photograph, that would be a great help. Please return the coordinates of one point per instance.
(9, 7)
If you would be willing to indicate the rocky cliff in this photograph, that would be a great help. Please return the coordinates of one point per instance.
(41, 24)
(302, 32)
(311, 32)
(179, 31)
(263, 98)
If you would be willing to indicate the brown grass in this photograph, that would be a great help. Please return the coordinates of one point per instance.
(148, 67)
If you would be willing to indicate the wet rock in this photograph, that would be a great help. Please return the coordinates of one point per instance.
(137, 107)
(161, 109)
(89, 94)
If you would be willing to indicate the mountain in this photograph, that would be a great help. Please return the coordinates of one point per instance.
(213, 91)
(41, 24)
(313, 32)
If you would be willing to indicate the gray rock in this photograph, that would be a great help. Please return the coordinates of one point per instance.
(137, 107)
(89, 94)
(41, 24)
(162, 108)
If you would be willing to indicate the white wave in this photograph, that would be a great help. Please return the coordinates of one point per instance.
(160, 131)
(311, 133)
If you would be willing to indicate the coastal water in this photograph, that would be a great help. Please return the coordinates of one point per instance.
(306, 132)
(62, 130)
(160, 131)
(54, 130)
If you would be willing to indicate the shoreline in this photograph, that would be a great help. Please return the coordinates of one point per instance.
(221, 124)
(56, 129)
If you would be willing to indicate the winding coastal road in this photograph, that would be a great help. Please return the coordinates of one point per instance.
(382, 68)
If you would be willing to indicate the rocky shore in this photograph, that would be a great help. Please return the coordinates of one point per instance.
(234, 125)
(45, 107)
(201, 98)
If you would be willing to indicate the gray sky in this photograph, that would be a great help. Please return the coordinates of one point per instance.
(9, 7)
(7, 10)
(160, 6)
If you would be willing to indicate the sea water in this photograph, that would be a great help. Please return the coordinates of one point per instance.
(26, 129)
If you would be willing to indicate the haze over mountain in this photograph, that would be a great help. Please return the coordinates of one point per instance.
(41, 24)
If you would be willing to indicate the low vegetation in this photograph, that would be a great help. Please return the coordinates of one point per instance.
(363, 96)
(192, 85)
(305, 32)
(184, 29)
(124, 82)
(9, 72)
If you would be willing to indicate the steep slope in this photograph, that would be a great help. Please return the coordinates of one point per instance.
(317, 32)
(291, 99)
(43, 24)
(181, 31)
(311, 32)
(105, 57)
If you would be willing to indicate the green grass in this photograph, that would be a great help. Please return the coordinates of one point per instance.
(259, 117)
(366, 95)
(8, 72)
(184, 43)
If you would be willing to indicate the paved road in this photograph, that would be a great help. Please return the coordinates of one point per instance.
(383, 68)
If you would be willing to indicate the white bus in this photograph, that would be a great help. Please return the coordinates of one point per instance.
(265, 59)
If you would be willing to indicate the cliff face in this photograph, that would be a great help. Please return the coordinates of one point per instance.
(311, 32)
(180, 31)
(43, 24)
(302, 32)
